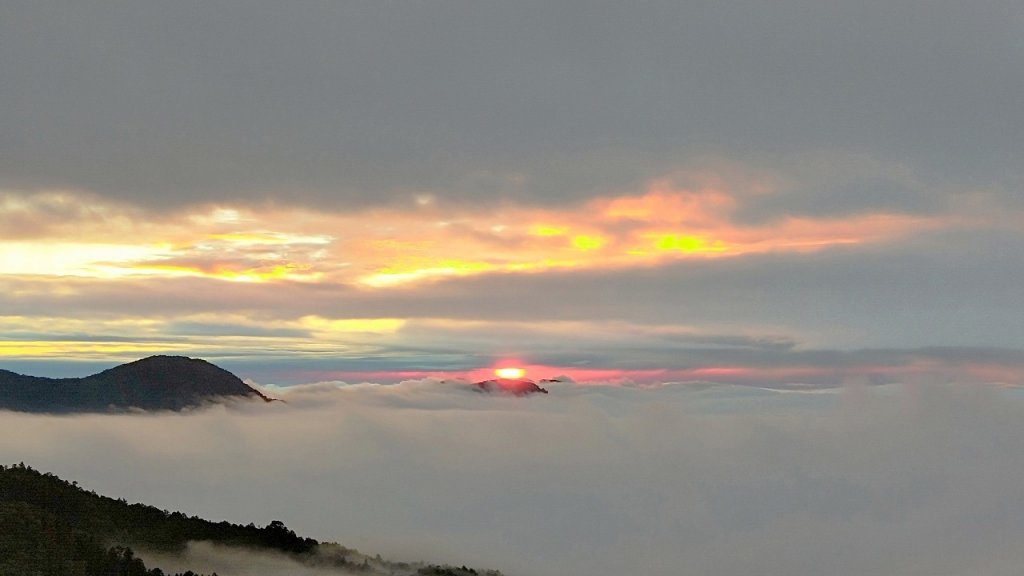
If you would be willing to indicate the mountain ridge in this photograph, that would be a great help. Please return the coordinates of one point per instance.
(53, 527)
(153, 383)
(510, 386)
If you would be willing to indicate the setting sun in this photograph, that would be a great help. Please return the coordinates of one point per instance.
(509, 373)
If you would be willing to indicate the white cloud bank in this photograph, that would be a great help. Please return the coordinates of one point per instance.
(586, 480)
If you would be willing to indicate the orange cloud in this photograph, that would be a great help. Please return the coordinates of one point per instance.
(384, 248)
(661, 202)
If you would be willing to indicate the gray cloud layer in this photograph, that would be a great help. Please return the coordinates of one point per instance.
(353, 102)
(586, 481)
(949, 289)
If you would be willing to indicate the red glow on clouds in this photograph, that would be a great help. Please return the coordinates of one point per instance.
(535, 372)
(754, 376)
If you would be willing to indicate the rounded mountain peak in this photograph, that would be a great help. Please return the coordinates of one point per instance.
(171, 382)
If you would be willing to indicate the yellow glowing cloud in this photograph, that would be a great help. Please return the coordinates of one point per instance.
(75, 348)
(71, 259)
(280, 272)
(293, 272)
(545, 230)
(169, 250)
(443, 268)
(686, 243)
(270, 238)
(586, 243)
(345, 325)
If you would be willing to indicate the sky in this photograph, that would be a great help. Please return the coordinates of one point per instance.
(787, 194)
(774, 248)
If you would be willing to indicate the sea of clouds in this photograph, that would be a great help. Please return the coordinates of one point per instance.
(587, 480)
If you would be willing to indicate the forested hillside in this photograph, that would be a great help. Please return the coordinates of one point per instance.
(52, 527)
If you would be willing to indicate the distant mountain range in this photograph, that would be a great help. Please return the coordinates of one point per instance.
(154, 383)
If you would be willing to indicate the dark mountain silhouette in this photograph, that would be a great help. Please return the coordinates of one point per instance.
(52, 527)
(154, 383)
(509, 386)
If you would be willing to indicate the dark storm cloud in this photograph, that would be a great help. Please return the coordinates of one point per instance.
(841, 199)
(826, 185)
(368, 102)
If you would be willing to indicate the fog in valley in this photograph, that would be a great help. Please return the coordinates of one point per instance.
(587, 480)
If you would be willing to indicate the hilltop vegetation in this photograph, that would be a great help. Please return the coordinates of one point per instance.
(52, 527)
